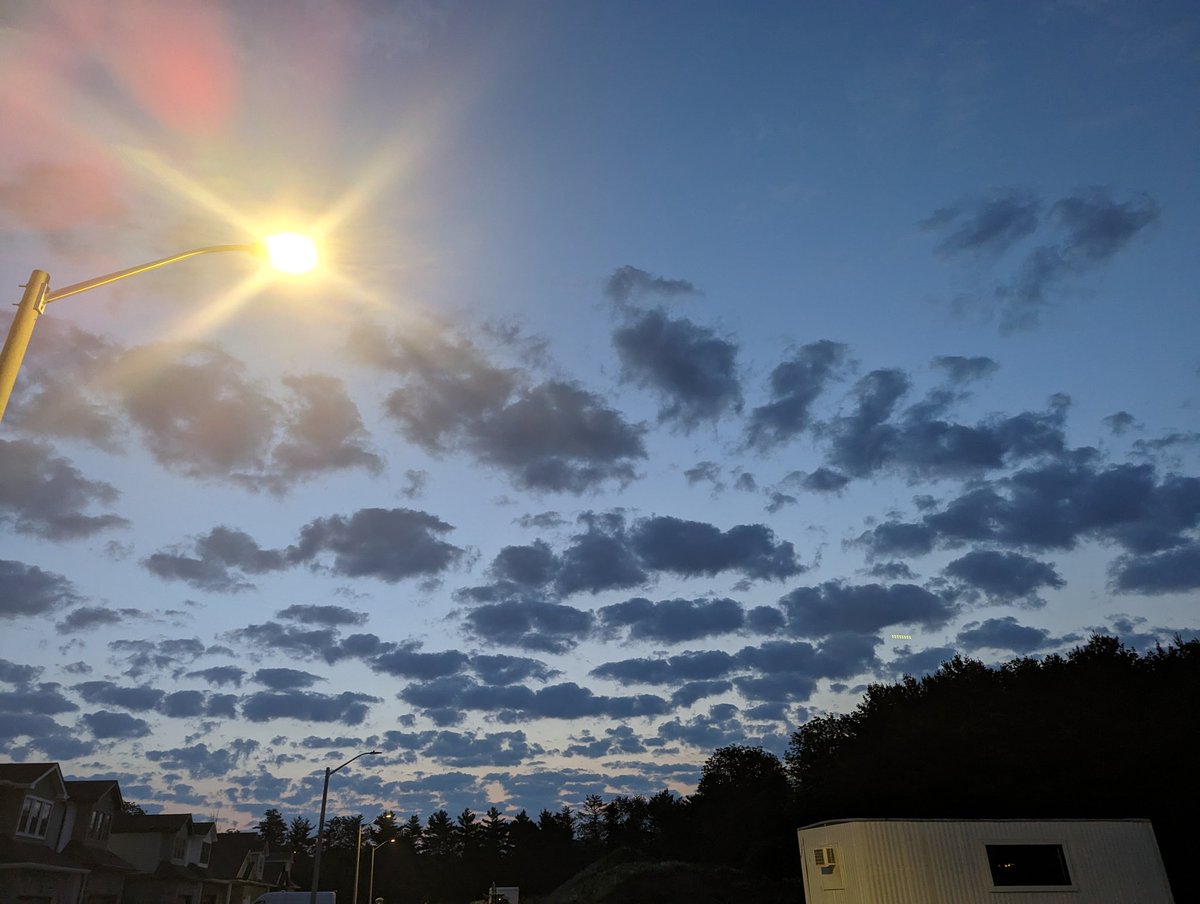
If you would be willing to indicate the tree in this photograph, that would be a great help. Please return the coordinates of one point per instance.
(438, 837)
(591, 821)
(273, 828)
(299, 837)
(129, 808)
(747, 787)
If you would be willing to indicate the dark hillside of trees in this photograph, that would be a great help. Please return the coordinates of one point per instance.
(1101, 732)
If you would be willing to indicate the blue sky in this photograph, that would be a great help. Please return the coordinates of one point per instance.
(666, 362)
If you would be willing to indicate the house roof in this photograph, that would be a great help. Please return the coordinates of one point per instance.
(16, 853)
(25, 775)
(158, 822)
(229, 852)
(94, 789)
(97, 858)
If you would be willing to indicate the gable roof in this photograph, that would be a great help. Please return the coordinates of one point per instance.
(26, 775)
(94, 789)
(164, 823)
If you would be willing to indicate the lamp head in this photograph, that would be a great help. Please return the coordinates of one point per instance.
(291, 253)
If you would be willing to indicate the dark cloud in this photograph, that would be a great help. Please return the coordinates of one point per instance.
(673, 621)
(388, 544)
(198, 412)
(105, 725)
(961, 370)
(694, 548)
(891, 571)
(533, 565)
(705, 471)
(795, 385)
(1005, 576)
(330, 616)
(322, 432)
(19, 674)
(407, 661)
(26, 590)
(552, 436)
(138, 699)
(617, 740)
(46, 699)
(692, 370)
(220, 675)
(183, 704)
(199, 762)
(221, 558)
(289, 639)
(863, 442)
(285, 679)
(86, 617)
(501, 669)
(1170, 571)
(919, 662)
(837, 608)
(989, 225)
(43, 733)
(516, 703)
(707, 665)
(44, 495)
(1055, 506)
(472, 749)
(1004, 634)
(599, 558)
(533, 625)
(1120, 422)
(628, 282)
(824, 480)
(347, 708)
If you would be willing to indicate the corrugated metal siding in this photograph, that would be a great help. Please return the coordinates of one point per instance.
(944, 861)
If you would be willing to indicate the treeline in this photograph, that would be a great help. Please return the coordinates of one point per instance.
(1100, 732)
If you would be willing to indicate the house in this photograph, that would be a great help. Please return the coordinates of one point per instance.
(948, 861)
(237, 871)
(34, 832)
(92, 808)
(165, 849)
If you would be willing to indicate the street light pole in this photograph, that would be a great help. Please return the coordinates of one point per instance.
(321, 823)
(287, 252)
(371, 884)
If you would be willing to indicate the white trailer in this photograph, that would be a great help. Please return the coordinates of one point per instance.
(984, 861)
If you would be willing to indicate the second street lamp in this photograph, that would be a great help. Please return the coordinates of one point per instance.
(288, 251)
(371, 884)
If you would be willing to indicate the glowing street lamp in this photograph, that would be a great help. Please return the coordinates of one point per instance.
(287, 251)
(371, 884)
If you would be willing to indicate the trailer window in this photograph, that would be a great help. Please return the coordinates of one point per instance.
(1027, 864)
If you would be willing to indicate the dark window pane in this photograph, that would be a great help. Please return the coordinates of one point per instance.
(1028, 864)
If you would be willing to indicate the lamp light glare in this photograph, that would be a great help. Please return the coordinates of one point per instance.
(291, 252)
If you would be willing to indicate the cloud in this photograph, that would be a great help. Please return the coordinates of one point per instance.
(388, 544)
(347, 708)
(105, 725)
(1005, 634)
(322, 432)
(534, 625)
(220, 675)
(795, 385)
(26, 590)
(138, 699)
(599, 558)
(19, 674)
(989, 225)
(1170, 571)
(533, 565)
(694, 548)
(836, 608)
(673, 621)
(552, 436)
(86, 617)
(330, 616)
(628, 282)
(517, 703)
(43, 495)
(407, 661)
(289, 639)
(1005, 577)
(473, 749)
(198, 761)
(285, 679)
(960, 369)
(501, 669)
(682, 668)
(46, 699)
(1120, 422)
(692, 370)
(221, 557)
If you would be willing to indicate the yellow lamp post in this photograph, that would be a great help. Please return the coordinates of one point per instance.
(288, 251)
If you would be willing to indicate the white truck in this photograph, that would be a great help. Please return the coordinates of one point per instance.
(295, 897)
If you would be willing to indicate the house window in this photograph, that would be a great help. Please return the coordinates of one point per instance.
(99, 826)
(35, 817)
(205, 852)
(1027, 864)
(180, 849)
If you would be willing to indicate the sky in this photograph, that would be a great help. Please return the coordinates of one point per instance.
(673, 371)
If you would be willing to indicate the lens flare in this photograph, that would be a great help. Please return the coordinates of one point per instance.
(291, 252)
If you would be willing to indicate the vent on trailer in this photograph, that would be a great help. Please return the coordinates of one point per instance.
(825, 857)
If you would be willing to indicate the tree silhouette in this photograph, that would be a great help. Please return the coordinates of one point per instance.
(273, 828)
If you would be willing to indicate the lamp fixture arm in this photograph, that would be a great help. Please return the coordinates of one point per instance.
(95, 282)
